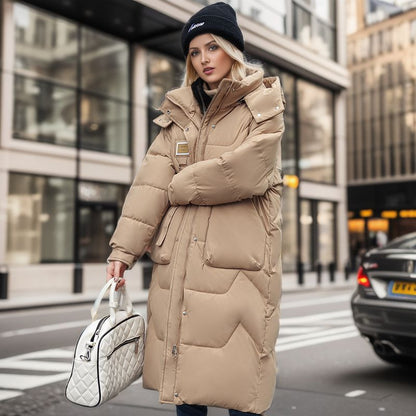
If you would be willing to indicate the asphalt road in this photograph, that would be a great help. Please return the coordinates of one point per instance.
(325, 368)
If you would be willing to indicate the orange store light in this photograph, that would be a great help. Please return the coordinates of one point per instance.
(408, 213)
(292, 181)
(389, 214)
(365, 213)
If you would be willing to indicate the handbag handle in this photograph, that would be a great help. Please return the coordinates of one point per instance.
(114, 300)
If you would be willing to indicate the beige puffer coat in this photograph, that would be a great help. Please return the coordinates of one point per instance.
(206, 200)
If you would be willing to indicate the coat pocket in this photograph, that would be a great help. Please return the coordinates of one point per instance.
(236, 237)
(163, 244)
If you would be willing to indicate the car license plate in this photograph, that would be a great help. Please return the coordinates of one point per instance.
(403, 288)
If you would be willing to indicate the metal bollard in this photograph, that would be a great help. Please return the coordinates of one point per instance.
(4, 281)
(319, 273)
(301, 279)
(347, 270)
(77, 278)
(331, 268)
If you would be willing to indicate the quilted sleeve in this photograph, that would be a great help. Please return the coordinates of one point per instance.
(145, 204)
(247, 171)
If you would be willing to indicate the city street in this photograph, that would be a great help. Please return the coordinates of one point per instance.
(325, 367)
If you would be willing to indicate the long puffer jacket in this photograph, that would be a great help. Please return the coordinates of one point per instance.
(206, 205)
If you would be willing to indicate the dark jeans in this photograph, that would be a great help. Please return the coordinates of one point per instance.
(195, 410)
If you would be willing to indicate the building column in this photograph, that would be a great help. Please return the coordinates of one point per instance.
(139, 132)
(6, 106)
(341, 178)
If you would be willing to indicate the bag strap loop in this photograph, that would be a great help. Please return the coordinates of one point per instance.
(117, 300)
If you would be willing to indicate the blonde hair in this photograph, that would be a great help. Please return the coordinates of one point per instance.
(238, 69)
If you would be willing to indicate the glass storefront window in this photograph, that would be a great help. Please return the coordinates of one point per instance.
(44, 112)
(316, 133)
(326, 233)
(49, 87)
(104, 125)
(307, 243)
(40, 219)
(163, 74)
(104, 64)
(99, 208)
(290, 244)
(45, 45)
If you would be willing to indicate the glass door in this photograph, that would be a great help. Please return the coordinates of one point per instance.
(97, 224)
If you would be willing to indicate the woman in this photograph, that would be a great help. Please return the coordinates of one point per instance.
(206, 205)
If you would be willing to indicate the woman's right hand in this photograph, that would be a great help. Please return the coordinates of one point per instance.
(116, 269)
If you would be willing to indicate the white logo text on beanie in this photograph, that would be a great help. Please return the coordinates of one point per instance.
(195, 25)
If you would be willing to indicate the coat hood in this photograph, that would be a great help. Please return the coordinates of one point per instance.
(262, 96)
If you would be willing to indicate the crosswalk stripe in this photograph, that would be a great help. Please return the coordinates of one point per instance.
(319, 334)
(23, 381)
(35, 365)
(315, 341)
(9, 394)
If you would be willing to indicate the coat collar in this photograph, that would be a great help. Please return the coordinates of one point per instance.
(181, 107)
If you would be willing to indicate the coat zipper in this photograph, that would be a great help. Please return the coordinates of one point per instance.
(126, 342)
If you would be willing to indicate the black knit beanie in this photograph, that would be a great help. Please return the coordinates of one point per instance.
(219, 19)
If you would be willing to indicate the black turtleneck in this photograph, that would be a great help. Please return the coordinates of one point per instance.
(200, 95)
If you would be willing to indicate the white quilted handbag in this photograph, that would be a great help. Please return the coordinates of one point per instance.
(109, 353)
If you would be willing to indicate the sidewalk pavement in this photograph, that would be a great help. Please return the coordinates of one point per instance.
(289, 284)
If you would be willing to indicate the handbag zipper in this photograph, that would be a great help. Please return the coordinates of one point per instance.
(126, 342)
(89, 345)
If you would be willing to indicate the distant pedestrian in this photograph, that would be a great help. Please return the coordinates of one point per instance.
(206, 206)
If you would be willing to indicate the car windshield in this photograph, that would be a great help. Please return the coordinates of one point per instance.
(406, 241)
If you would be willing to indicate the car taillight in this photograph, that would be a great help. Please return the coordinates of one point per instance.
(362, 278)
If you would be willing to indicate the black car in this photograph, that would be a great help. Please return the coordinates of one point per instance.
(384, 302)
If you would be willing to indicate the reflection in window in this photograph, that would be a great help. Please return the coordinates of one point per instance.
(100, 207)
(105, 63)
(45, 46)
(306, 222)
(163, 74)
(326, 232)
(316, 133)
(43, 112)
(290, 219)
(48, 85)
(303, 25)
(104, 125)
(39, 219)
(314, 25)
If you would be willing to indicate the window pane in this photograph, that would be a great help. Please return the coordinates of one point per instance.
(290, 218)
(39, 219)
(104, 125)
(104, 64)
(326, 235)
(316, 133)
(45, 46)
(163, 73)
(325, 9)
(100, 207)
(324, 40)
(302, 25)
(306, 222)
(43, 112)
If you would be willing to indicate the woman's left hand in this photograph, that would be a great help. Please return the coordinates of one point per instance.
(116, 269)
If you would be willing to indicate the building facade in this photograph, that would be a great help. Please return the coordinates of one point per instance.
(80, 84)
(381, 130)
